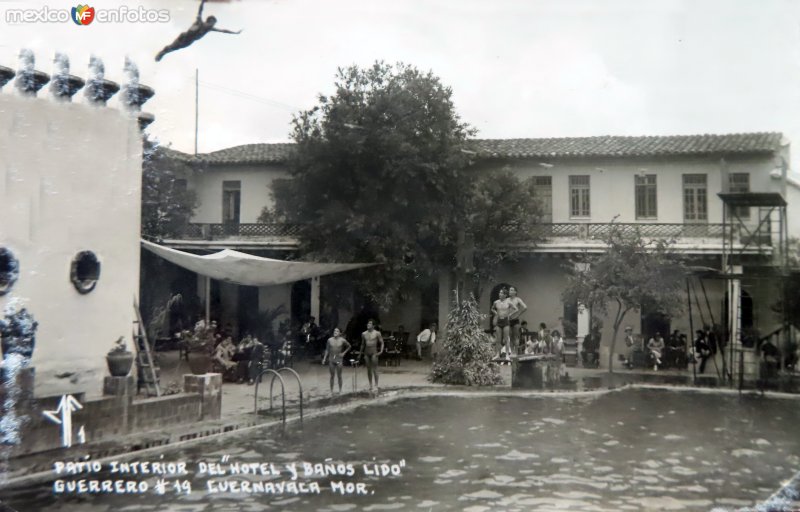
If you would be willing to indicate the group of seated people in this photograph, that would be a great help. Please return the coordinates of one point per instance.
(244, 362)
(544, 342)
(657, 353)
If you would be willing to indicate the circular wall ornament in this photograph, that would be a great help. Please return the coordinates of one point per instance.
(85, 271)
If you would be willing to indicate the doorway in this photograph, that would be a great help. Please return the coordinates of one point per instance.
(655, 322)
(248, 310)
(301, 303)
(429, 311)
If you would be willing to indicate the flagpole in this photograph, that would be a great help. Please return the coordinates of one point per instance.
(196, 105)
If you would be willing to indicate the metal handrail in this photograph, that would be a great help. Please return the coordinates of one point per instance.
(283, 393)
(299, 385)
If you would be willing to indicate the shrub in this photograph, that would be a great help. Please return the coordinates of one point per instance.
(467, 353)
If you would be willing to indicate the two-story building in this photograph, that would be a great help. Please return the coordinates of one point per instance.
(664, 186)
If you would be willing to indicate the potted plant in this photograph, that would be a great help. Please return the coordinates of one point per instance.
(18, 333)
(200, 344)
(119, 359)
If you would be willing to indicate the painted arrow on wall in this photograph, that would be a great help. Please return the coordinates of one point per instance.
(63, 416)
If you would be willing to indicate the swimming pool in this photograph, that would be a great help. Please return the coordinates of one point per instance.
(633, 449)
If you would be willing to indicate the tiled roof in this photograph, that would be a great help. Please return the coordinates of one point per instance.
(581, 147)
(573, 147)
(270, 153)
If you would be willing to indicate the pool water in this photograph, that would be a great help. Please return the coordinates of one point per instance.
(623, 450)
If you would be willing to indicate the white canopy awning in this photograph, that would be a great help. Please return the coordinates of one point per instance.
(245, 269)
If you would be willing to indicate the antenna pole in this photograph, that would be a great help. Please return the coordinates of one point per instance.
(196, 106)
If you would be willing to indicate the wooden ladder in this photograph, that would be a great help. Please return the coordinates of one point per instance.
(147, 371)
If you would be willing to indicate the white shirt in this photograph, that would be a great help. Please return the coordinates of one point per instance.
(427, 336)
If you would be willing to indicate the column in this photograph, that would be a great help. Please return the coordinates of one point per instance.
(584, 324)
(445, 303)
(315, 298)
(584, 317)
(745, 363)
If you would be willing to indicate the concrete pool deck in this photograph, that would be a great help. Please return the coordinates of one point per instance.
(238, 399)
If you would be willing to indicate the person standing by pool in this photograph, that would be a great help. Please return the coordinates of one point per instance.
(514, 319)
(371, 340)
(335, 351)
(502, 309)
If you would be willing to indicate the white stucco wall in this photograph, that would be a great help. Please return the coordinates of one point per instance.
(612, 183)
(70, 180)
(539, 283)
(793, 207)
(256, 190)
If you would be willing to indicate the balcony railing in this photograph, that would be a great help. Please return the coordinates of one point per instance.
(543, 232)
(243, 230)
(599, 231)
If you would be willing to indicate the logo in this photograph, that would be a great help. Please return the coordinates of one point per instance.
(83, 15)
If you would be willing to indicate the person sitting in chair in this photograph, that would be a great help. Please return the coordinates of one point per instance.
(630, 344)
(656, 347)
(701, 349)
(223, 359)
(530, 346)
(591, 344)
(248, 357)
(427, 339)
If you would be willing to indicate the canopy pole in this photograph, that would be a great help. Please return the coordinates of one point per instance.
(691, 333)
(208, 300)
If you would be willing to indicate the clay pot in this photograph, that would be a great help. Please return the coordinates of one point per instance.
(120, 363)
(200, 363)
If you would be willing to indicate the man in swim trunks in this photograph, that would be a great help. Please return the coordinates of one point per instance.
(334, 352)
(514, 318)
(502, 309)
(371, 340)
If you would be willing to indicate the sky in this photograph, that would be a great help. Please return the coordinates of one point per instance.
(518, 68)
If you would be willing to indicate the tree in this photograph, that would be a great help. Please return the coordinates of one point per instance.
(467, 353)
(503, 216)
(633, 273)
(166, 206)
(380, 174)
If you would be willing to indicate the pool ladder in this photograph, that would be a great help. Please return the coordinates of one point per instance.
(277, 374)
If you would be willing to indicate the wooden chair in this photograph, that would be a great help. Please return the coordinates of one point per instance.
(401, 340)
(570, 352)
(393, 351)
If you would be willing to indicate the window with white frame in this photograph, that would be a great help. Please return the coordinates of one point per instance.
(579, 194)
(646, 207)
(231, 201)
(695, 198)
